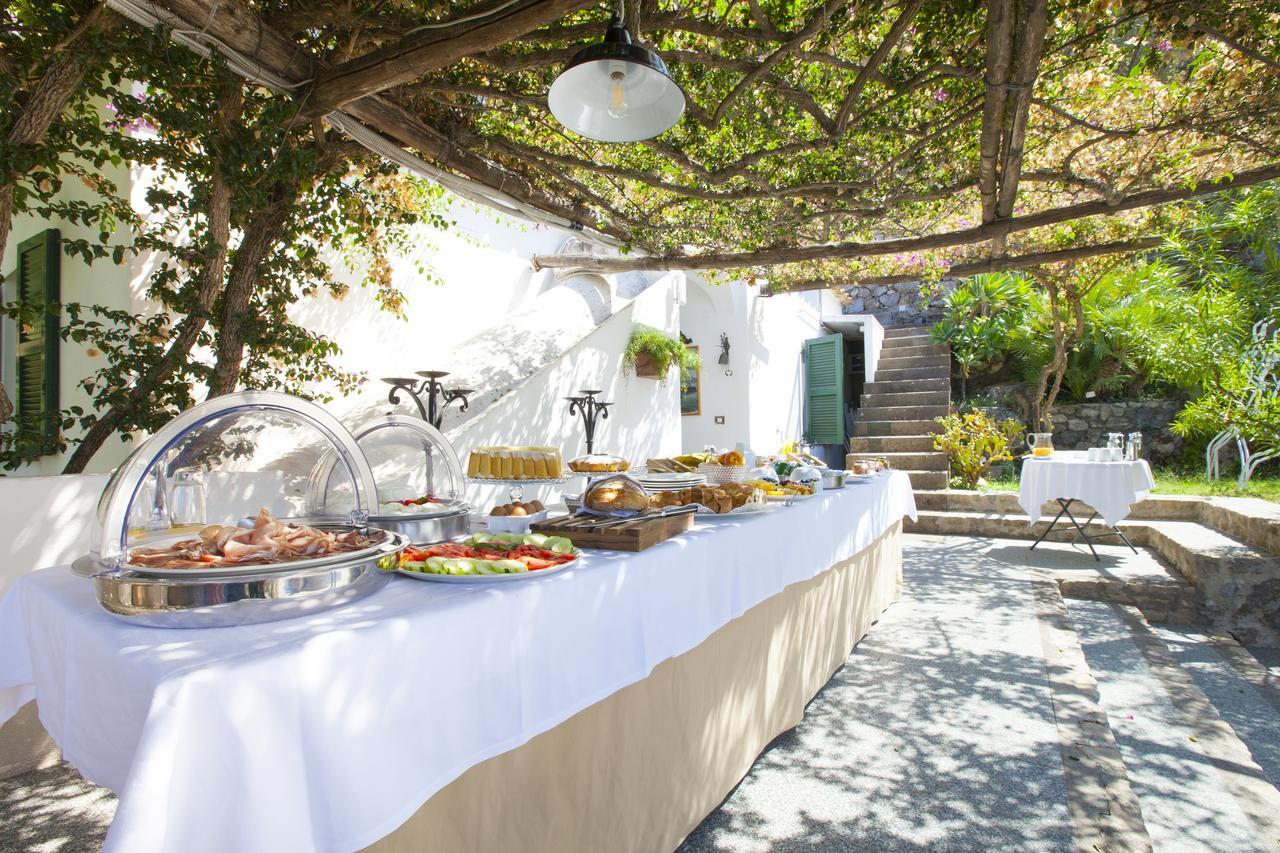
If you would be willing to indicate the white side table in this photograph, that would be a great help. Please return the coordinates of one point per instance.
(1111, 488)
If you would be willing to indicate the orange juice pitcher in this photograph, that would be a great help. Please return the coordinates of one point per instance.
(1041, 444)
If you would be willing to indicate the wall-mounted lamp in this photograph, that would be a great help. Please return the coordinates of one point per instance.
(724, 348)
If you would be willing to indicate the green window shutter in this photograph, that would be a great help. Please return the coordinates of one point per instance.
(824, 390)
(39, 283)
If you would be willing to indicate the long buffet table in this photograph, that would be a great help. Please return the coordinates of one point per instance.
(610, 706)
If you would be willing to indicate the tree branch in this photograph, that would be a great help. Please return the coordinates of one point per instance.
(429, 50)
(1001, 264)
(845, 251)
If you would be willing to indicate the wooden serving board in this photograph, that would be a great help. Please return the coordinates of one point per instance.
(635, 534)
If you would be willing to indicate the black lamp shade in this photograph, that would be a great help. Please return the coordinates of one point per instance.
(616, 91)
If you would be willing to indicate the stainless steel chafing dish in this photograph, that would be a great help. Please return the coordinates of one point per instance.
(220, 463)
(410, 460)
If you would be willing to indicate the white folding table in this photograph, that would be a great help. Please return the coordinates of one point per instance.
(1110, 488)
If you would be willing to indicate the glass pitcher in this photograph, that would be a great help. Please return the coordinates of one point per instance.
(1040, 444)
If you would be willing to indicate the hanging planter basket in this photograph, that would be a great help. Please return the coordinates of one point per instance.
(646, 367)
(651, 354)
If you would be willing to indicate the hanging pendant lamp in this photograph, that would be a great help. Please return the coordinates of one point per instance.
(616, 91)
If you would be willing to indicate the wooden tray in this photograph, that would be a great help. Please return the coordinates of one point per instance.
(635, 534)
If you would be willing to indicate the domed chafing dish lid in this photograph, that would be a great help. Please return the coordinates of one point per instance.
(410, 460)
(241, 453)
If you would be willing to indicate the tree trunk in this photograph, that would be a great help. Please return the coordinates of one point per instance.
(1051, 375)
(207, 287)
(48, 98)
(260, 237)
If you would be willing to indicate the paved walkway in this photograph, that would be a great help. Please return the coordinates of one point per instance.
(938, 733)
(949, 728)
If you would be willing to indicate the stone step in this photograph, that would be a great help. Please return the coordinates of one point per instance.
(1235, 583)
(1253, 521)
(894, 344)
(1177, 747)
(1238, 582)
(902, 413)
(906, 331)
(1010, 525)
(939, 363)
(918, 427)
(1241, 689)
(928, 461)
(907, 398)
(927, 479)
(1162, 507)
(878, 444)
(908, 386)
(909, 348)
(884, 374)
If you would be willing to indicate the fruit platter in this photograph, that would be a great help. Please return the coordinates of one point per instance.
(487, 557)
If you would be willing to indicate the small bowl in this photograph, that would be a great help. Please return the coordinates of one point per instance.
(833, 478)
(514, 523)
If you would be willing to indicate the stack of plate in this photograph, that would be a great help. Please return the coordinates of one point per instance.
(664, 482)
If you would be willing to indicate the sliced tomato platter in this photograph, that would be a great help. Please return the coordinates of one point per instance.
(488, 557)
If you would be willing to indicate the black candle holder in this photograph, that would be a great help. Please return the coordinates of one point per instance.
(592, 410)
(438, 397)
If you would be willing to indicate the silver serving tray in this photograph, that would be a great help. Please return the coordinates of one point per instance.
(257, 594)
(373, 549)
(426, 528)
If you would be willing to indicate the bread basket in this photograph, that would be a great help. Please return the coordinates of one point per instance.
(717, 473)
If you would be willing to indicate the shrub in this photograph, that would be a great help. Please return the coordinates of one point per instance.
(980, 315)
(973, 441)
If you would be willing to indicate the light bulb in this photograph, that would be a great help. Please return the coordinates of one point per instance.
(617, 95)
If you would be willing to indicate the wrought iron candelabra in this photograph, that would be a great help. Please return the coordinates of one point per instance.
(438, 397)
(591, 410)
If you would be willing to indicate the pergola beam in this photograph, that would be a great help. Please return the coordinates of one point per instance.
(1001, 264)
(852, 250)
(498, 23)
(229, 24)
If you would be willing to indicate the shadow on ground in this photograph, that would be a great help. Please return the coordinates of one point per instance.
(53, 810)
(936, 734)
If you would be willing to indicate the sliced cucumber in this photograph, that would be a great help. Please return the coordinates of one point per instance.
(538, 539)
(510, 567)
(559, 545)
(436, 565)
(461, 566)
(488, 567)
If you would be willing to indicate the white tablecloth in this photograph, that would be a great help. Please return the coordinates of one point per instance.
(328, 732)
(1109, 487)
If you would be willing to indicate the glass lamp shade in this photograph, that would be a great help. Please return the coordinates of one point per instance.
(616, 91)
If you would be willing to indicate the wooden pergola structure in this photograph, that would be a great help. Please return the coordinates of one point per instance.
(820, 138)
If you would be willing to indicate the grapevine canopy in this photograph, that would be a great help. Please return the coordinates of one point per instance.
(824, 141)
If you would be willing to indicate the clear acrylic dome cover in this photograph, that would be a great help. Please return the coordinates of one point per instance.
(415, 469)
(225, 460)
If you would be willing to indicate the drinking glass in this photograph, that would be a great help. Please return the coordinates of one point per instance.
(187, 497)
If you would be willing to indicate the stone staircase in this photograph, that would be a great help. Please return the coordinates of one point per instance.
(1221, 555)
(912, 386)
(1170, 735)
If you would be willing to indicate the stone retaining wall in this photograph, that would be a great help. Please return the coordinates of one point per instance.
(1084, 425)
(898, 304)
(1079, 426)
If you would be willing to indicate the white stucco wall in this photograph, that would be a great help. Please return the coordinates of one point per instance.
(762, 402)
